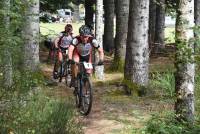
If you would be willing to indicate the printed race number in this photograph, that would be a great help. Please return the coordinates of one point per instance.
(87, 65)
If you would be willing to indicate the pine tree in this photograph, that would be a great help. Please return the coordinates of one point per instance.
(184, 61)
(137, 52)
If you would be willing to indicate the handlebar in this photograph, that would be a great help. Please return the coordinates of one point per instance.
(93, 64)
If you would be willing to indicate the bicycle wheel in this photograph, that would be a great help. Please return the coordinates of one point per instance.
(86, 96)
(77, 93)
(68, 76)
(55, 73)
(60, 71)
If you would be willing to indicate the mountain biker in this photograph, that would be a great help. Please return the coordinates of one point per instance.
(81, 50)
(62, 44)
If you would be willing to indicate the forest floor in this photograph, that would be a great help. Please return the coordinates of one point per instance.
(113, 112)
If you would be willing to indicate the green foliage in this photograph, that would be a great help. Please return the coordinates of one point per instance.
(171, 8)
(164, 82)
(167, 124)
(37, 113)
(52, 5)
(118, 65)
(27, 80)
(197, 93)
(132, 88)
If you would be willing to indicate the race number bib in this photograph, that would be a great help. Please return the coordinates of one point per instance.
(87, 65)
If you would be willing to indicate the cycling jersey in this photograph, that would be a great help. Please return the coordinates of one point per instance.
(84, 49)
(65, 41)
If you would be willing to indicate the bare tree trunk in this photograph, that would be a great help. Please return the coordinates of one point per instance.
(160, 26)
(89, 11)
(197, 12)
(76, 17)
(185, 67)
(137, 51)
(7, 60)
(152, 21)
(197, 19)
(31, 36)
(99, 70)
(108, 38)
(122, 13)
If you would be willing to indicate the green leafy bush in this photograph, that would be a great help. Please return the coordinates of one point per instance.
(167, 124)
(37, 113)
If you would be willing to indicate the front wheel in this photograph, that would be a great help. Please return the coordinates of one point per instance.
(77, 93)
(86, 96)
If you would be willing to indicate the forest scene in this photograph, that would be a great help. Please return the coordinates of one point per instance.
(100, 67)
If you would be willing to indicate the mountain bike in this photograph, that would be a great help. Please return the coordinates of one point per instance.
(64, 69)
(83, 88)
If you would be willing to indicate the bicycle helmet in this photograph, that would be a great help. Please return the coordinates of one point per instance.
(68, 28)
(84, 30)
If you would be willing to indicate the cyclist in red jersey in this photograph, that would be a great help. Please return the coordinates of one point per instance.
(81, 49)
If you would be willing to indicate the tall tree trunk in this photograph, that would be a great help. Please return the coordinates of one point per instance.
(197, 12)
(185, 67)
(197, 20)
(160, 26)
(122, 13)
(7, 60)
(89, 11)
(31, 36)
(137, 50)
(76, 17)
(99, 70)
(108, 38)
(152, 21)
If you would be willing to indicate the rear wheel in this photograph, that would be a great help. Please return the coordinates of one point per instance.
(68, 76)
(55, 72)
(60, 71)
(86, 97)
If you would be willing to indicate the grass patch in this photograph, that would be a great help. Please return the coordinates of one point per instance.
(55, 28)
(164, 83)
(169, 35)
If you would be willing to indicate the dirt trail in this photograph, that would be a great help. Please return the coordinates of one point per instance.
(112, 112)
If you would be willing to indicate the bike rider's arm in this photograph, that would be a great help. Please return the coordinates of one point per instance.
(56, 42)
(71, 48)
(100, 49)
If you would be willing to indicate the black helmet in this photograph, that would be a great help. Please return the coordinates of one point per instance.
(84, 30)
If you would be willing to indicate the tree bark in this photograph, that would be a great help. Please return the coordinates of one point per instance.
(76, 17)
(108, 38)
(89, 11)
(7, 60)
(184, 61)
(137, 50)
(122, 13)
(160, 26)
(197, 12)
(99, 70)
(31, 36)
(197, 20)
(152, 21)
